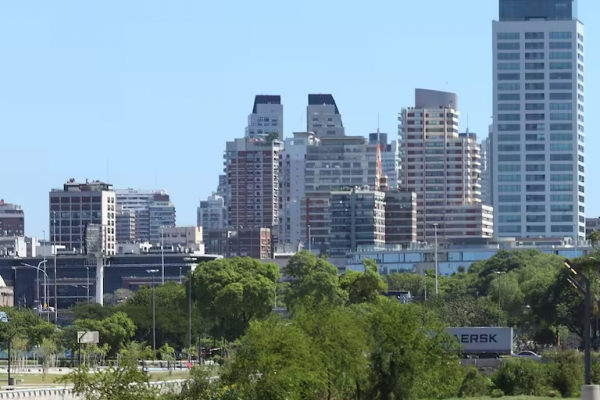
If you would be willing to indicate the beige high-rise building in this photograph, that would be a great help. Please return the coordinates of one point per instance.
(443, 167)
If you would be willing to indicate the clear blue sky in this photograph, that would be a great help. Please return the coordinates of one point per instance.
(153, 89)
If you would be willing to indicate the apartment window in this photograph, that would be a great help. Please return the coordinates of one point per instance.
(534, 35)
(536, 208)
(535, 198)
(534, 147)
(534, 76)
(509, 157)
(561, 85)
(510, 208)
(561, 167)
(508, 35)
(561, 188)
(536, 188)
(535, 137)
(509, 87)
(509, 147)
(536, 229)
(509, 56)
(509, 198)
(561, 178)
(508, 137)
(509, 107)
(509, 76)
(509, 229)
(561, 75)
(561, 228)
(561, 147)
(560, 35)
(561, 116)
(534, 46)
(561, 55)
(561, 157)
(509, 96)
(509, 168)
(509, 127)
(561, 45)
(536, 218)
(534, 86)
(534, 106)
(561, 137)
(509, 178)
(509, 117)
(535, 127)
(561, 208)
(535, 168)
(510, 219)
(561, 65)
(534, 56)
(535, 117)
(508, 46)
(557, 198)
(536, 178)
(535, 157)
(509, 66)
(561, 96)
(534, 96)
(561, 127)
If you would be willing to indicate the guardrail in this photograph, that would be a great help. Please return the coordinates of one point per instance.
(66, 393)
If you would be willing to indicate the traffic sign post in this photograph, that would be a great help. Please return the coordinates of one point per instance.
(86, 337)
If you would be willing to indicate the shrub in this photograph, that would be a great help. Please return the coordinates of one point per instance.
(496, 393)
(522, 377)
(475, 384)
(565, 372)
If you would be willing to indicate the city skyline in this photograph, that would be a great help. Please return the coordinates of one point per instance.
(138, 118)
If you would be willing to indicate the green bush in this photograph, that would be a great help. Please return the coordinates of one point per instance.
(565, 372)
(522, 378)
(475, 384)
(496, 393)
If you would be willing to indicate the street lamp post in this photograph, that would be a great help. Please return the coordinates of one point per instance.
(435, 259)
(309, 240)
(39, 269)
(162, 252)
(88, 284)
(586, 290)
(190, 307)
(153, 271)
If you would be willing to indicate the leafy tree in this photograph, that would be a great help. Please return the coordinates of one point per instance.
(363, 286)
(115, 330)
(314, 279)
(275, 361)
(231, 292)
(92, 311)
(594, 237)
(167, 353)
(47, 351)
(118, 297)
(23, 322)
(272, 136)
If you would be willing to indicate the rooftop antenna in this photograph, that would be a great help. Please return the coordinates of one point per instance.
(377, 122)
(467, 123)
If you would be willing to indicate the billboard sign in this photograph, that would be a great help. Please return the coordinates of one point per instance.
(484, 339)
(88, 337)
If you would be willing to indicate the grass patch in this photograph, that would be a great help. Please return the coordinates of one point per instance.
(513, 398)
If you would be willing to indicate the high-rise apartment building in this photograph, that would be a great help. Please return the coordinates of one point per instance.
(539, 129)
(443, 167)
(337, 162)
(252, 167)
(266, 117)
(400, 217)
(292, 165)
(323, 116)
(390, 157)
(125, 225)
(12, 220)
(78, 205)
(212, 213)
(485, 172)
(152, 210)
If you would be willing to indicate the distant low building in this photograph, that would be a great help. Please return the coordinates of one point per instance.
(245, 242)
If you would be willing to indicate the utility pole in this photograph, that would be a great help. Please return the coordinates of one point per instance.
(153, 271)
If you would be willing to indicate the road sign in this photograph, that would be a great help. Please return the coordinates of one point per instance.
(88, 337)
(3, 316)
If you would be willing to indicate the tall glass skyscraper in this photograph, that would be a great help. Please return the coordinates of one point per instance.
(538, 131)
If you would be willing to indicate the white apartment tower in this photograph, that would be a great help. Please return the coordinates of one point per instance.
(266, 117)
(212, 213)
(443, 167)
(538, 145)
(323, 116)
(292, 165)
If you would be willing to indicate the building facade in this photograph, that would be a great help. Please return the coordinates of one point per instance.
(292, 165)
(252, 167)
(266, 118)
(212, 213)
(357, 218)
(183, 237)
(323, 116)
(151, 209)
(246, 242)
(125, 225)
(443, 167)
(539, 128)
(400, 217)
(390, 157)
(338, 162)
(486, 178)
(78, 205)
(12, 220)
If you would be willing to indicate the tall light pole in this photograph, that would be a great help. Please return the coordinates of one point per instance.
(153, 271)
(87, 267)
(55, 273)
(39, 269)
(435, 260)
(586, 290)
(162, 252)
(500, 273)
(190, 306)
(309, 240)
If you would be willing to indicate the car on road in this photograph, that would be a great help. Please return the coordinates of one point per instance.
(528, 354)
